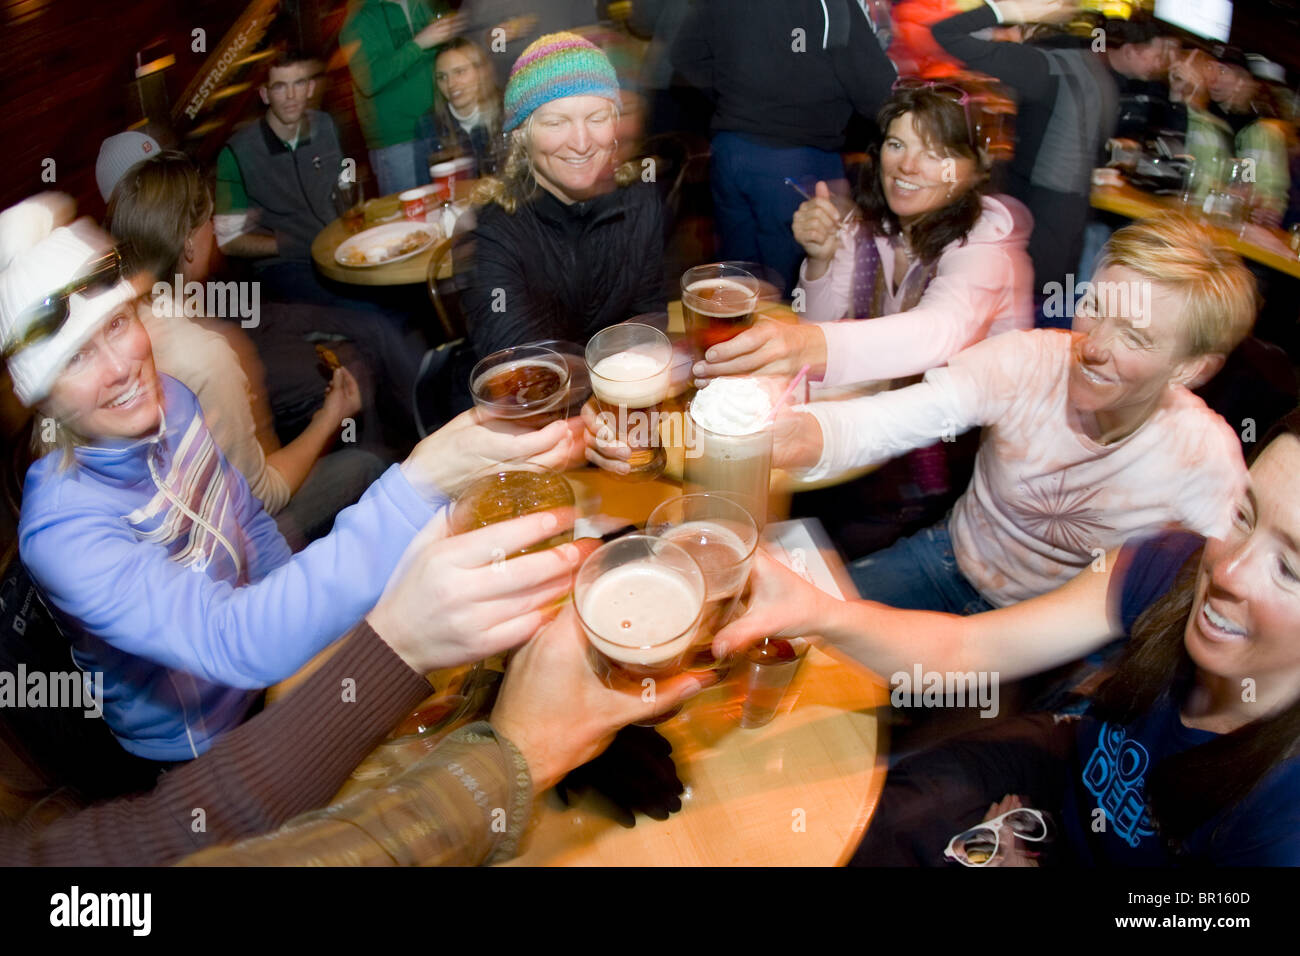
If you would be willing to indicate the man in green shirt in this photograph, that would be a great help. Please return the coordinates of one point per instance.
(390, 47)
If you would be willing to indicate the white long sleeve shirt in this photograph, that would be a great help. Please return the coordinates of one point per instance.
(983, 287)
(1045, 500)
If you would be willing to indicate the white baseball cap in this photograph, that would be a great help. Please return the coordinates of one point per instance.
(119, 153)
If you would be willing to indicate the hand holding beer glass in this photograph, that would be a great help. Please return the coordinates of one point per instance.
(640, 600)
(720, 535)
(630, 366)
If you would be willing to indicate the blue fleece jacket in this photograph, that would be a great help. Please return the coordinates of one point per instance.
(171, 579)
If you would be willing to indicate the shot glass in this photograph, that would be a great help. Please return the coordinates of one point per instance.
(767, 670)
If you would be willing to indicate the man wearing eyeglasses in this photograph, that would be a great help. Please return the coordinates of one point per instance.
(275, 178)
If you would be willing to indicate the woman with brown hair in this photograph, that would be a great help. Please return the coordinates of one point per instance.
(467, 113)
(1187, 754)
(935, 263)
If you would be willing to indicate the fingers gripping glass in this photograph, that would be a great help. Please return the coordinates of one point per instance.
(48, 316)
(978, 846)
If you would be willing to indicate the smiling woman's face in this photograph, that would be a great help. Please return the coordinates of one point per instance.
(1245, 620)
(109, 388)
(916, 175)
(571, 143)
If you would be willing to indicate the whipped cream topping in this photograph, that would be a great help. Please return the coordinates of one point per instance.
(731, 406)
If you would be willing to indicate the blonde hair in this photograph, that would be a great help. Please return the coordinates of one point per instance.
(517, 184)
(65, 442)
(1219, 295)
(155, 207)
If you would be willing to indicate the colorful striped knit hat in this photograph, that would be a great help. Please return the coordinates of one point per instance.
(554, 66)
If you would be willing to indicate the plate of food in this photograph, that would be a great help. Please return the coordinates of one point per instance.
(386, 244)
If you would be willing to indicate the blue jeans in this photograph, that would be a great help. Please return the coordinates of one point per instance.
(336, 481)
(402, 165)
(752, 205)
(919, 573)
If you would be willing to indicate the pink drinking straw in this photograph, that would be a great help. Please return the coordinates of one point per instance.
(776, 406)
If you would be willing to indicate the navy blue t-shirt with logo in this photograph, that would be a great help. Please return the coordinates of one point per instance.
(1105, 815)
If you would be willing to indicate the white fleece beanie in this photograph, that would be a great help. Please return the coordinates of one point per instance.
(38, 256)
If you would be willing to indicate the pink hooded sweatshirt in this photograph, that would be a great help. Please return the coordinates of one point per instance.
(983, 287)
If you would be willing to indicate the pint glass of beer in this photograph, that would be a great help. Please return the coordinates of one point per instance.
(720, 534)
(527, 384)
(511, 491)
(630, 366)
(639, 599)
(718, 302)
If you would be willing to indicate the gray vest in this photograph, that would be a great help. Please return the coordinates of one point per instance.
(290, 191)
(1085, 112)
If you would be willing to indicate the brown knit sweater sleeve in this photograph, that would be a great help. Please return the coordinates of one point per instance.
(288, 759)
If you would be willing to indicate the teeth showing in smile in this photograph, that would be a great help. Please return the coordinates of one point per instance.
(1221, 623)
(1092, 376)
(125, 398)
(905, 186)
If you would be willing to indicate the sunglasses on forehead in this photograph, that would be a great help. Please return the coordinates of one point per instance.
(49, 315)
(947, 90)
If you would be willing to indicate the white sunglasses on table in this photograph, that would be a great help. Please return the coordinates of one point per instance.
(978, 846)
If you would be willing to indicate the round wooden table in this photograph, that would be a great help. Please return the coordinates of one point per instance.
(798, 792)
(410, 271)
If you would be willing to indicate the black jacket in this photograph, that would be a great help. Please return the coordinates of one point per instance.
(785, 72)
(551, 271)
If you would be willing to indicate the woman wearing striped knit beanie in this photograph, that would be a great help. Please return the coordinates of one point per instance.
(561, 114)
(566, 241)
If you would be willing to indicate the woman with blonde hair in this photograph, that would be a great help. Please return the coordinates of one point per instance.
(1089, 437)
(566, 241)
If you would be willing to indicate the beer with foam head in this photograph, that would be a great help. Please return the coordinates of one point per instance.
(639, 599)
(718, 303)
(630, 366)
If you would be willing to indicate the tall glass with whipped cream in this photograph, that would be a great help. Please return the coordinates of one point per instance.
(731, 450)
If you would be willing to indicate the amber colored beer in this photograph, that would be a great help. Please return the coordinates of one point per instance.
(507, 494)
(630, 367)
(716, 310)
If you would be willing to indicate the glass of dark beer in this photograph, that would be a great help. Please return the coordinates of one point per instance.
(639, 599)
(718, 303)
(630, 366)
(527, 384)
(720, 534)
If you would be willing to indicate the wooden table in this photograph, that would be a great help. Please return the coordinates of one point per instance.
(410, 271)
(1263, 245)
(799, 791)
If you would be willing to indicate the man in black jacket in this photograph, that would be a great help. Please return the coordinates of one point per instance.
(785, 79)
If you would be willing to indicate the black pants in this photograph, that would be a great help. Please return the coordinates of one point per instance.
(934, 795)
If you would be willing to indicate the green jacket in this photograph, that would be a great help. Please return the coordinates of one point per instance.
(392, 78)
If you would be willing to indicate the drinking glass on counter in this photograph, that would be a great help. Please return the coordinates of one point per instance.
(731, 443)
(629, 366)
(767, 670)
(718, 303)
(639, 600)
(720, 534)
(527, 384)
